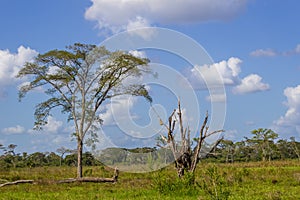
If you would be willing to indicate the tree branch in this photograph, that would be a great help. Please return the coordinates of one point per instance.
(16, 182)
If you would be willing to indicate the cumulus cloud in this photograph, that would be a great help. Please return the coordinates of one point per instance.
(11, 63)
(251, 83)
(118, 109)
(264, 52)
(53, 126)
(118, 15)
(221, 73)
(139, 54)
(225, 73)
(61, 140)
(13, 130)
(138, 27)
(289, 123)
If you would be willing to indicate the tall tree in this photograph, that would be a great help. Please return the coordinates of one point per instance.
(227, 150)
(264, 139)
(79, 80)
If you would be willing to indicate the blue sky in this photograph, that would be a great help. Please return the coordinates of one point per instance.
(255, 42)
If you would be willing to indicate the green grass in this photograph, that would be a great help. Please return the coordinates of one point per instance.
(274, 180)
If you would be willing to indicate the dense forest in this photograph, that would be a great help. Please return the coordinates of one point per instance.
(264, 145)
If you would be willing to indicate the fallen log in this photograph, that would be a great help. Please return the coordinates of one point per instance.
(114, 179)
(16, 182)
(88, 179)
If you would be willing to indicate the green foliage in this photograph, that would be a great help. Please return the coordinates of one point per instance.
(82, 74)
(78, 80)
(184, 186)
(264, 145)
(255, 180)
(39, 159)
(214, 184)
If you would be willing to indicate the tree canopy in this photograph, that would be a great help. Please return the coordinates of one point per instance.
(79, 80)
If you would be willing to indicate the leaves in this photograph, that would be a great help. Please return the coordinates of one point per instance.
(79, 79)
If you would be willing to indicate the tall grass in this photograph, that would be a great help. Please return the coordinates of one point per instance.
(270, 180)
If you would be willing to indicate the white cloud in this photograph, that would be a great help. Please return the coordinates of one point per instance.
(118, 109)
(117, 15)
(61, 139)
(39, 89)
(139, 26)
(271, 53)
(231, 134)
(52, 125)
(251, 83)
(11, 63)
(139, 54)
(292, 52)
(263, 52)
(225, 73)
(289, 123)
(13, 130)
(228, 72)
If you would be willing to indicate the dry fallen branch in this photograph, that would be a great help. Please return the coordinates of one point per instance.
(88, 179)
(17, 182)
(114, 179)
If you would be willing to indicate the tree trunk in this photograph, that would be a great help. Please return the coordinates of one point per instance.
(264, 155)
(79, 158)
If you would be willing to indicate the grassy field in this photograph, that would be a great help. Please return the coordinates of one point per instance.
(274, 180)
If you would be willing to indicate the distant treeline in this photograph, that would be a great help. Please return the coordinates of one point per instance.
(263, 146)
(38, 159)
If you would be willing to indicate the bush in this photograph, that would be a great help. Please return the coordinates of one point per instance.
(180, 186)
(214, 184)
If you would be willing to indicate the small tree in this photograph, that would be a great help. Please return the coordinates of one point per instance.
(62, 151)
(79, 80)
(295, 147)
(10, 150)
(185, 154)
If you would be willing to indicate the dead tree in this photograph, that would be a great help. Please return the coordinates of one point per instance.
(186, 158)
